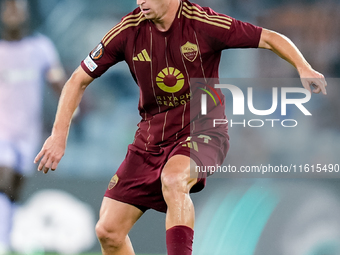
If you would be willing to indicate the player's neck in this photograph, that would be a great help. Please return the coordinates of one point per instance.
(164, 23)
(13, 35)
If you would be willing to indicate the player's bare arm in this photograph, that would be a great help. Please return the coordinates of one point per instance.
(56, 77)
(286, 49)
(54, 147)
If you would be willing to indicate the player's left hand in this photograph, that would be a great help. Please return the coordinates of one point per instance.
(311, 78)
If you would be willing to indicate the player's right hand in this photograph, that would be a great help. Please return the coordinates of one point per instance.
(311, 78)
(51, 153)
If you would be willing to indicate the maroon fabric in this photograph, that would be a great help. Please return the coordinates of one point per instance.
(156, 57)
(139, 175)
(165, 66)
(179, 240)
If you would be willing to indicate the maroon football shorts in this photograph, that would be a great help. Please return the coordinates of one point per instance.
(138, 179)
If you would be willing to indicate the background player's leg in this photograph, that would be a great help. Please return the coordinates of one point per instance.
(116, 220)
(5, 223)
(180, 217)
(10, 184)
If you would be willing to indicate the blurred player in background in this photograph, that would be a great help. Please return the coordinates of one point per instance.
(27, 61)
(165, 43)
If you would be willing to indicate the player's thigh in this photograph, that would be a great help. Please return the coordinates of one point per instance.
(179, 172)
(10, 182)
(6, 177)
(117, 217)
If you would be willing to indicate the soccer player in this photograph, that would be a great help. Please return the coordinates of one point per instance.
(27, 60)
(165, 43)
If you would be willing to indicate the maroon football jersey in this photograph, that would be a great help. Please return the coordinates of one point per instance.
(163, 64)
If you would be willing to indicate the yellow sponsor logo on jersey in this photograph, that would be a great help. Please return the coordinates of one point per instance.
(173, 101)
(170, 80)
(143, 56)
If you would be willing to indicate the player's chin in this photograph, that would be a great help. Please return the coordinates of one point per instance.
(149, 16)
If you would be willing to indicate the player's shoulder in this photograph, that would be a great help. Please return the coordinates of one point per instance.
(136, 16)
(187, 5)
(205, 15)
(127, 26)
(39, 39)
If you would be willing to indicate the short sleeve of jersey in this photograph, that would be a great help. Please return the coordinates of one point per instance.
(107, 53)
(242, 35)
(225, 32)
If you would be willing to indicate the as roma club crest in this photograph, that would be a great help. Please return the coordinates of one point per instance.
(190, 51)
(113, 182)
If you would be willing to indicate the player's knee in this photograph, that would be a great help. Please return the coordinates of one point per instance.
(109, 238)
(174, 182)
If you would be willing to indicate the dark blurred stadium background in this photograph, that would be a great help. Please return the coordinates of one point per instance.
(234, 216)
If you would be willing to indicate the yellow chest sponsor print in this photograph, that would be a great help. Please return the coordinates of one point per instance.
(170, 80)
